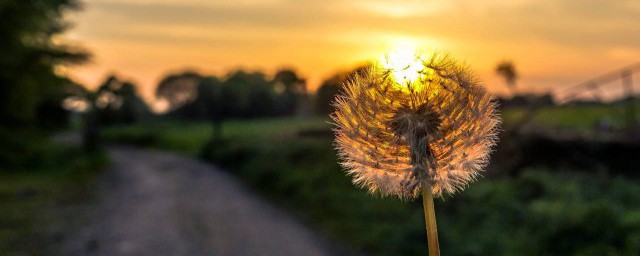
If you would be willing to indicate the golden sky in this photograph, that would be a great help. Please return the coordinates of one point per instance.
(552, 43)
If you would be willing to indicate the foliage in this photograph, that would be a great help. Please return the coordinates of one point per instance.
(507, 71)
(545, 213)
(178, 89)
(240, 94)
(210, 102)
(290, 90)
(117, 102)
(48, 178)
(29, 85)
(189, 138)
(577, 119)
(251, 93)
(327, 92)
(325, 96)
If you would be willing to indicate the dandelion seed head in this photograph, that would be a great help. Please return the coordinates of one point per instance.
(394, 134)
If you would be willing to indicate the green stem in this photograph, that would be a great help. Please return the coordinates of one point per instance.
(430, 219)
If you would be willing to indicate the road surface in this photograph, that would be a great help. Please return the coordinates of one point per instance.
(155, 203)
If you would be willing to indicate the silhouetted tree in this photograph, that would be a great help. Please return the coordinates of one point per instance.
(240, 94)
(117, 102)
(211, 104)
(291, 90)
(178, 89)
(327, 92)
(508, 72)
(133, 107)
(208, 97)
(252, 94)
(29, 87)
(50, 111)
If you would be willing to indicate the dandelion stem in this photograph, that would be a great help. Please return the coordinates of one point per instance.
(430, 219)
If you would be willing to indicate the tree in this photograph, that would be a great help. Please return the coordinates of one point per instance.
(251, 93)
(117, 102)
(508, 72)
(211, 105)
(291, 91)
(28, 81)
(327, 92)
(207, 104)
(178, 89)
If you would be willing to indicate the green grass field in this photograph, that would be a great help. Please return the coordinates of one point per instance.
(576, 118)
(292, 162)
(189, 138)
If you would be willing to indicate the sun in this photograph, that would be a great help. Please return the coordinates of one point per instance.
(404, 64)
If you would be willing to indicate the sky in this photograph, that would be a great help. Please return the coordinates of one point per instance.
(553, 44)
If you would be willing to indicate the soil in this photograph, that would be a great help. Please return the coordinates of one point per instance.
(157, 203)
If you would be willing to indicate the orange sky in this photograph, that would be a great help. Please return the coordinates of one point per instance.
(552, 43)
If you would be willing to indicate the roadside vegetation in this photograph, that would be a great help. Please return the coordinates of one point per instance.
(39, 180)
(578, 118)
(536, 212)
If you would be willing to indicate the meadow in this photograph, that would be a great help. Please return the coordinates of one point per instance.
(580, 119)
(538, 212)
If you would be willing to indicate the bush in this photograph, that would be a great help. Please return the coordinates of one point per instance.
(537, 213)
(34, 189)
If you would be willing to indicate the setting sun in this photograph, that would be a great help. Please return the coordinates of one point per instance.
(404, 64)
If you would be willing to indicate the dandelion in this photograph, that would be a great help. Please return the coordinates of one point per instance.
(426, 127)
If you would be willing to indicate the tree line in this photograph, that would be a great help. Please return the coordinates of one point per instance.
(34, 91)
(192, 96)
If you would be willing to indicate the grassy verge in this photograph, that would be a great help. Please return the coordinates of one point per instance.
(581, 119)
(48, 177)
(190, 138)
(540, 212)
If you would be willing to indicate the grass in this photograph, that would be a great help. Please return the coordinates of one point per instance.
(189, 138)
(576, 118)
(50, 177)
(540, 212)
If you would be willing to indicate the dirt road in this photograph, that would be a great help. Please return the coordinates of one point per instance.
(154, 203)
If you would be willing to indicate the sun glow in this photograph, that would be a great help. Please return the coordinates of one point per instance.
(404, 64)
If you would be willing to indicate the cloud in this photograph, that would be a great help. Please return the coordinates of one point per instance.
(585, 23)
(545, 38)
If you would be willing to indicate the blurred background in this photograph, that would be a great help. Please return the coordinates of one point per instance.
(246, 86)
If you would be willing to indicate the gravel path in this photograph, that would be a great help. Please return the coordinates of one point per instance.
(154, 203)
